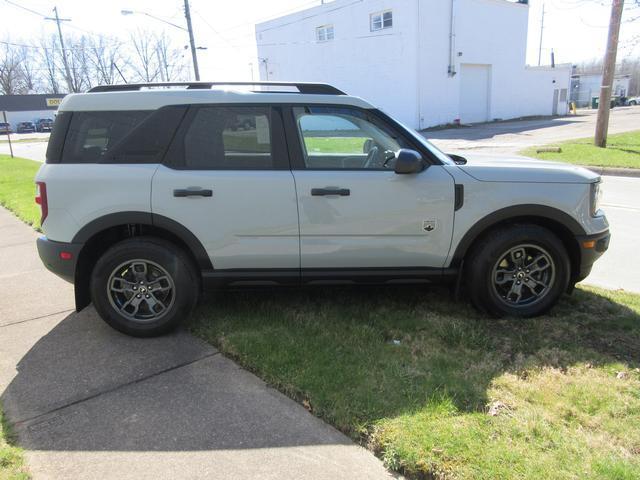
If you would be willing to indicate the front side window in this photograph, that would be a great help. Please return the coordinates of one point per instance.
(381, 20)
(229, 138)
(346, 138)
(324, 33)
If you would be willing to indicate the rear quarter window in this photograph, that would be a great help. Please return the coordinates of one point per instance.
(91, 135)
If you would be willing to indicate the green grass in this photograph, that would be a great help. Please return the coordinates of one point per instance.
(17, 188)
(412, 375)
(623, 150)
(26, 140)
(12, 465)
(349, 145)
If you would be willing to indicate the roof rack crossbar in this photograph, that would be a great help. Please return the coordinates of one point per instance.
(303, 87)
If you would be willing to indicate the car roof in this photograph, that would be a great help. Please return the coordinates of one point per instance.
(154, 98)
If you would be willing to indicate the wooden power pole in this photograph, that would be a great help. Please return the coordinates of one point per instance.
(602, 123)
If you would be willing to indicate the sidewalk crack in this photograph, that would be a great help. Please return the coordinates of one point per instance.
(22, 422)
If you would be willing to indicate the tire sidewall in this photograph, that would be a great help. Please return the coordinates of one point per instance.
(171, 259)
(486, 257)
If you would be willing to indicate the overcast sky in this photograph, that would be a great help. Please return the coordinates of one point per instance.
(575, 29)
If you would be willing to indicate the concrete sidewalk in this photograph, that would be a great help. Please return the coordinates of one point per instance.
(90, 403)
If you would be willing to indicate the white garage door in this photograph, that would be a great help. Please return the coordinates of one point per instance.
(474, 94)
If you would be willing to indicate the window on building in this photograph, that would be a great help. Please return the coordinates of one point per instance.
(324, 33)
(381, 20)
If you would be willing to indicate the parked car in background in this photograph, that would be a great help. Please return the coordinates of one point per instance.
(26, 127)
(633, 101)
(5, 128)
(44, 124)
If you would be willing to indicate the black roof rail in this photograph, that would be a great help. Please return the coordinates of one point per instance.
(303, 87)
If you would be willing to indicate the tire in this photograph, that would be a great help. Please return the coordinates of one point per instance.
(503, 279)
(144, 286)
(633, 103)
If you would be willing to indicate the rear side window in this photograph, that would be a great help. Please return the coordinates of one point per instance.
(229, 138)
(91, 135)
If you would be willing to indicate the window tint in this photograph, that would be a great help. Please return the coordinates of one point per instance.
(345, 138)
(92, 134)
(149, 140)
(229, 138)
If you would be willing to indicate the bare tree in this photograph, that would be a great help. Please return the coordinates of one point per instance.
(48, 62)
(172, 63)
(144, 59)
(104, 54)
(12, 75)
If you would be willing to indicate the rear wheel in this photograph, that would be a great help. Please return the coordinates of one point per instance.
(144, 287)
(519, 270)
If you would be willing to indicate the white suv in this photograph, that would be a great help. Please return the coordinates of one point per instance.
(153, 193)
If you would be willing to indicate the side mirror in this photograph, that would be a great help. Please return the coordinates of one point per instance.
(408, 161)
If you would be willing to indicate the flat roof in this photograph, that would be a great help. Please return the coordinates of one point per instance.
(27, 103)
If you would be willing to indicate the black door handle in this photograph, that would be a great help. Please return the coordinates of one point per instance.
(320, 192)
(192, 192)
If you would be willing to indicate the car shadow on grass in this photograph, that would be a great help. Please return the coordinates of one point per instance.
(354, 356)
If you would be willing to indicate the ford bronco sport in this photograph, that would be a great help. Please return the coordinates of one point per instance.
(153, 193)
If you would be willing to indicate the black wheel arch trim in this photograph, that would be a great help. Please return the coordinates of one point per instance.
(151, 219)
(514, 212)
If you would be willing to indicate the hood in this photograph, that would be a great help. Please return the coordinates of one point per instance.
(494, 168)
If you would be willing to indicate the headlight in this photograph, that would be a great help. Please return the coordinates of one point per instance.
(596, 197)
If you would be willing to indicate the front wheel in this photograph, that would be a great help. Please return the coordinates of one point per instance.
(519, 270)
(144, 286)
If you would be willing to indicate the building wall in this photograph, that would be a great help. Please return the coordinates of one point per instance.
(404, 70)
(378, 66)
(587, 86)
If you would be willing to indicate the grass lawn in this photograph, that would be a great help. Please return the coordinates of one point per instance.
(25, 140)
(623, 150)
(17, 189)
(439, 391)
(11, 461)
(349, 145)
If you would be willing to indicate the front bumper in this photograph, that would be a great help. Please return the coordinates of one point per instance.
(592, 247)
(59, 257)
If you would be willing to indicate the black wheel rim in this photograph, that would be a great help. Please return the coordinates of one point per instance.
(141, 290)
(523, 276)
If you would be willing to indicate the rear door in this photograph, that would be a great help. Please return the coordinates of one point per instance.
(355, 211)
(227, 179)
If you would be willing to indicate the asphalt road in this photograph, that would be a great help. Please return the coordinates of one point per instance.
(511, 137)
(619, 267)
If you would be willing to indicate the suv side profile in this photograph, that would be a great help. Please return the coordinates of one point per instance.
(154, 193)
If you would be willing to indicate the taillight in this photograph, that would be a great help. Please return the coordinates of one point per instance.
(41, 199)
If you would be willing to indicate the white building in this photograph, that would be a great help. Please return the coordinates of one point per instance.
(426, 62)
(585, 86)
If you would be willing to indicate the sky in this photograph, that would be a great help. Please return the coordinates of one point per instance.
(575, 29)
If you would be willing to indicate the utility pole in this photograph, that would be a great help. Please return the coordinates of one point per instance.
(57, 19)
(604, 107)
(187, 14)
(541, 34)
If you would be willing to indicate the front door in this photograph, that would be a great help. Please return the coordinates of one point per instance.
(355, 212)
(227, 179)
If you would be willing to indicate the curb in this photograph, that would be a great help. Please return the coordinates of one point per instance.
(615, 172)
